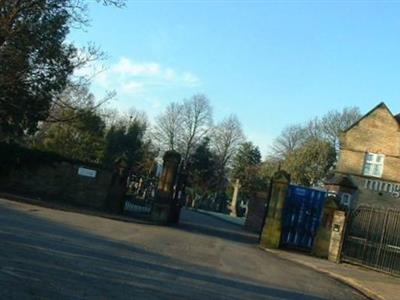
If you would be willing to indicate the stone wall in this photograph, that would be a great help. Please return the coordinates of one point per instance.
(58, 180)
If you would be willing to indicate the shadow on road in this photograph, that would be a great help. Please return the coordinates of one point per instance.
(199, 223)
(44, 259)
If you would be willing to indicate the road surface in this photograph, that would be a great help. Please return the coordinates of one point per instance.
(52, 254)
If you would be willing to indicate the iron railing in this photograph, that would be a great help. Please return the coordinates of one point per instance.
(373, 238)
(137, 206)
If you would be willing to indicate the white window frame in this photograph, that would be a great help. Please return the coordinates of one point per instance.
(346, 199)
(373, 164)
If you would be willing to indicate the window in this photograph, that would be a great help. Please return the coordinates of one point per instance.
(346, 199)
(373, 165)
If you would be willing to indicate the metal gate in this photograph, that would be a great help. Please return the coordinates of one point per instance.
(373, 238)
(140, 197)
(301, 216)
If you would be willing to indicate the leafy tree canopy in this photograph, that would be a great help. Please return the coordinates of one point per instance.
(310, 163)
(36, 61)
(245, 167)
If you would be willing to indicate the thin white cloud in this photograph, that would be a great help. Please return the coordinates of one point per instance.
(134, 77)
(190, 78)
(102, 80)
(169, 74)
(131, 87)
(145, 85)
(125, 66)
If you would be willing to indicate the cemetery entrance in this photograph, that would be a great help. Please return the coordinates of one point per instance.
(140, 196)
(302, 215)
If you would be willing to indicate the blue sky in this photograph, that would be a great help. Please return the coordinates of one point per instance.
(272, 63)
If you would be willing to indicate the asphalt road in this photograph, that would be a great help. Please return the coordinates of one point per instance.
(51, 254)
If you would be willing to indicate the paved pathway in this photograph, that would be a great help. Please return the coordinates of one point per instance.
(51, 254)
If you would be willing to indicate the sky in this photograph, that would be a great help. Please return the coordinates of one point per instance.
(272, 63)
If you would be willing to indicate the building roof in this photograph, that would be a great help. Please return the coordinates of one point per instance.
(380, 105)
(341, 180)
(397, 117)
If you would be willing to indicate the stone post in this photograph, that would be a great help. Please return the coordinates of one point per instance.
(272, 230)
(163, 204)
(236, 188)
(115, 199)
(179, 197)
(323, 237)
(337, 236)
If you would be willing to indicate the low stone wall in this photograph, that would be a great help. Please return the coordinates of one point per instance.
(59, 180)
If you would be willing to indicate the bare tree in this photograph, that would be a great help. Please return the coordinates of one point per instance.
(75, 97)
(226, 138)
(290, 138)
(334, 122)
(196, 123)
(167, 131)
(310, 151)
(313, 129)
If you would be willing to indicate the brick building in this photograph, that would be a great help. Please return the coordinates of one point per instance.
(368, 170)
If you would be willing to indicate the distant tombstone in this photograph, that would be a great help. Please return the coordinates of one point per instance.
(236, 188)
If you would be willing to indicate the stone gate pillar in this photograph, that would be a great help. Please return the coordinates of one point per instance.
(272, 230)
(179, 196)
(164, 202)
(337, 236)
(323, 237)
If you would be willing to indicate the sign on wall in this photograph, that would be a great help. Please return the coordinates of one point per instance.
(87, 172)
(383, 186)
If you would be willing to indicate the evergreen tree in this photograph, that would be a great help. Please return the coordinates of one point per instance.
(203, 166)
(245, 168)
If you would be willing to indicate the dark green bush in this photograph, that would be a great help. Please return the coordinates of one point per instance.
(13, 155)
